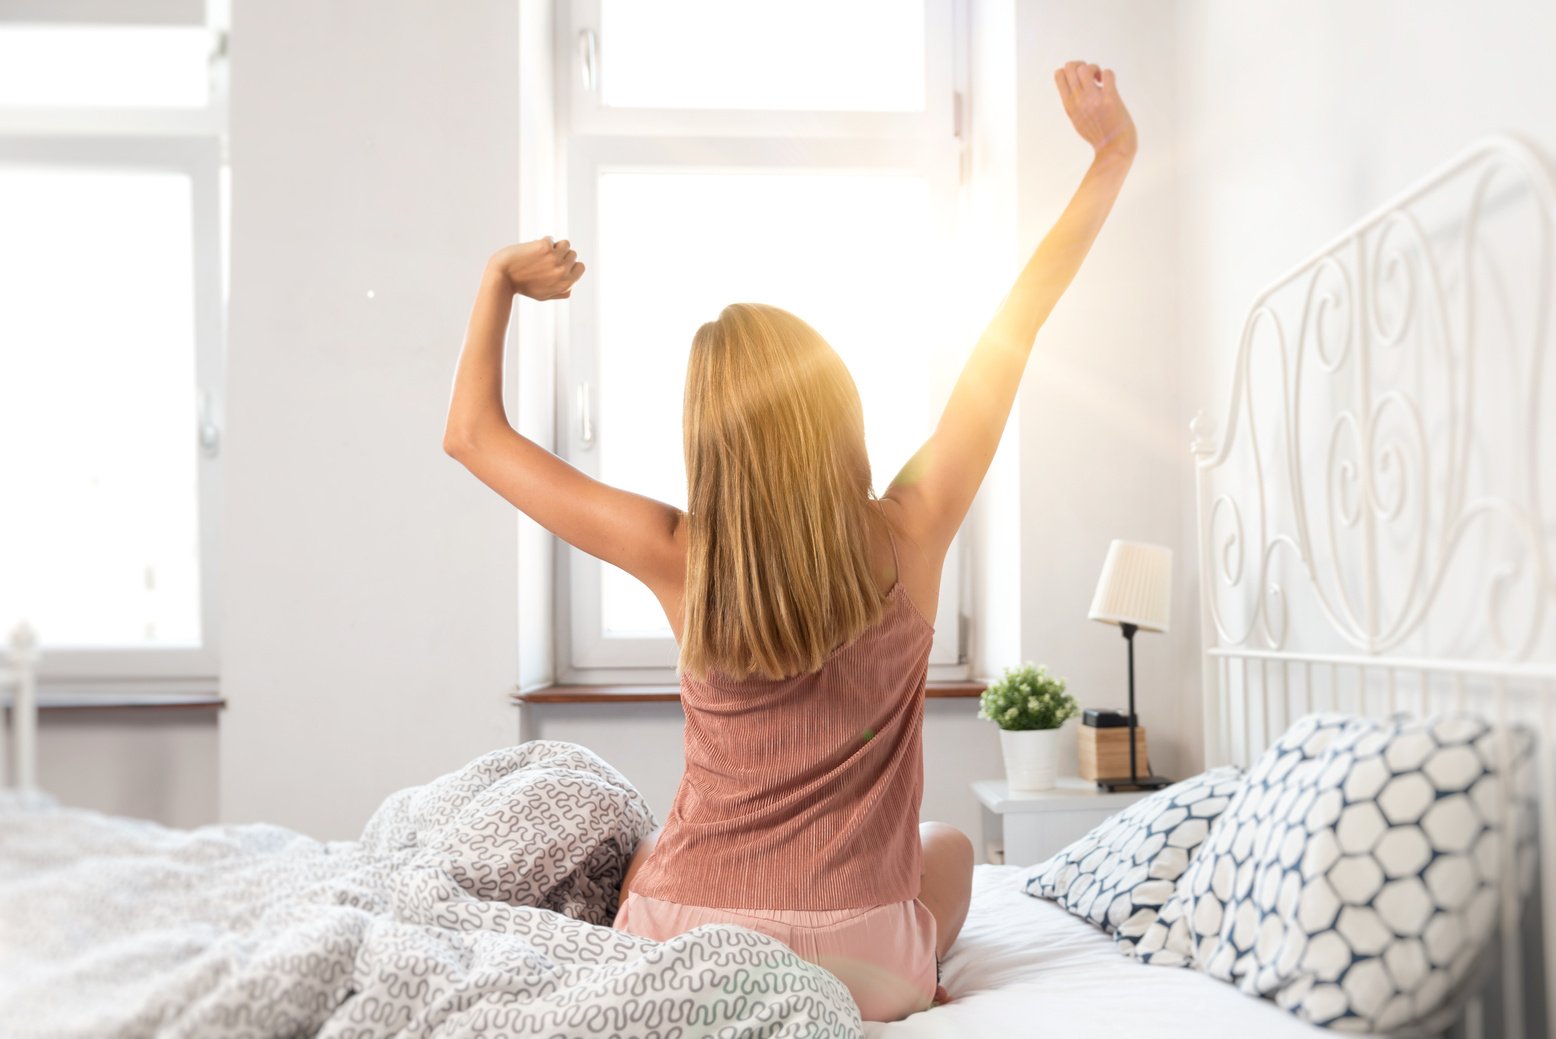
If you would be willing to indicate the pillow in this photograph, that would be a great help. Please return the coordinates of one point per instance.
(1354, 878)
(1119, 874)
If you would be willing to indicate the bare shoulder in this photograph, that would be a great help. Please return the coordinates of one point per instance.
(919, 553)
(911, 527)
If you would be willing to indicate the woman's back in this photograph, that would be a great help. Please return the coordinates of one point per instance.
(803, 792)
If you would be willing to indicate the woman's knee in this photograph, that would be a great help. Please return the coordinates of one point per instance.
(946, 842)
(946, 889)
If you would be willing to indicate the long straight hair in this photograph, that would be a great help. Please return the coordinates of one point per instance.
(779, 499)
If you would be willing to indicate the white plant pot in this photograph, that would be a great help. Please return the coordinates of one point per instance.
(1031, 758)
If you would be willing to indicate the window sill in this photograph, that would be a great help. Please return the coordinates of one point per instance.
(656, 693)
(48, 701)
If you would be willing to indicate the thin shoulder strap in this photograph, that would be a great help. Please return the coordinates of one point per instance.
(896, 566)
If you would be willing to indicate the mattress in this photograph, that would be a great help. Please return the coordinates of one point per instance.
(1022, 966)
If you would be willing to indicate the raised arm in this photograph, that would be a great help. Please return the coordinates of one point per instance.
(629, 530)
(937, 485)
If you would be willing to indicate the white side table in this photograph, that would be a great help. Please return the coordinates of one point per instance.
(1026, 828)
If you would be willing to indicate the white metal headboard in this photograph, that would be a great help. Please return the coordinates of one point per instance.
(1374, 533)
(20, 678)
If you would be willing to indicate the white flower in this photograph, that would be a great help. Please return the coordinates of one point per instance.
(1010, 714)
(1031, 703)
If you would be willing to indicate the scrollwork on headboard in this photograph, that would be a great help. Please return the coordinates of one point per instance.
(1384, 483)
(1376, 529)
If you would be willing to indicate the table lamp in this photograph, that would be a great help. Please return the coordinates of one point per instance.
(1134, 592)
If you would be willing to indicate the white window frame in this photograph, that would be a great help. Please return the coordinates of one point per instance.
(191, 141)
(594, 139)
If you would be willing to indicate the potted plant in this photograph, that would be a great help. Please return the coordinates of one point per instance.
(1029, 705)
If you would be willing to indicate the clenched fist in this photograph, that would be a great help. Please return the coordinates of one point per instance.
(541, 269)
(1098, 114)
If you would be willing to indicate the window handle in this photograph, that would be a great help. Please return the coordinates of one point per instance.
(588, 58)
(210, 433)
(585, 416)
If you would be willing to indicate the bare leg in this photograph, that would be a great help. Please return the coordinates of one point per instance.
(947, 884)
(645, 846)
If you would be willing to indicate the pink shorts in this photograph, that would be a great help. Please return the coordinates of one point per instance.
(884, 954)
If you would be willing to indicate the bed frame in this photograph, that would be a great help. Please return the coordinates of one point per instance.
(1373, 528)
(19, 678)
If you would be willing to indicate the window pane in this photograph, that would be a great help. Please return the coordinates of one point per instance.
(847, 252)
(825, 55)
(99, 536)
(123, 66)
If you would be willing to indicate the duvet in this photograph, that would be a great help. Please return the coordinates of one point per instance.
(475, 905)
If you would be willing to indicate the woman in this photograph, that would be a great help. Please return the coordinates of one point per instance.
(799, 601)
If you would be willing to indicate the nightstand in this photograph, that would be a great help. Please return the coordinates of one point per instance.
(1026, 828)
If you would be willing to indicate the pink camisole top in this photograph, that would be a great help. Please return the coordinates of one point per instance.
(803, 792)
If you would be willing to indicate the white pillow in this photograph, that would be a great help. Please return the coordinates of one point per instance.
(1354, 879)
(1119, 874)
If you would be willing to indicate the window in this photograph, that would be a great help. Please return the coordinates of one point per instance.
(701, 170)
(690, 54)
(110, 337)
(104, 66)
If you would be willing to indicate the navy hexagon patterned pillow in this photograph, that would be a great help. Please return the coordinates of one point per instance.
(1119, 875)
(1355, 877)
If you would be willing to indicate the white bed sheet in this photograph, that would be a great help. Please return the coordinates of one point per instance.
(1022, 966)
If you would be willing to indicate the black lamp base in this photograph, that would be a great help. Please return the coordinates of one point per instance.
(1113, 786)
(1133, 781)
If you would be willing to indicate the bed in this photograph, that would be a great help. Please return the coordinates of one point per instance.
(1020, 961)
(1374, 538)
(1374, 525)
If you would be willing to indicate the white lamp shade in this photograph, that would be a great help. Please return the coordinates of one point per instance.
(1135, 587)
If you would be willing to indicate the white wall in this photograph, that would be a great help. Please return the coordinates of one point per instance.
(148, 763)
(1103, 450)
(370, 585)
(1336, 107)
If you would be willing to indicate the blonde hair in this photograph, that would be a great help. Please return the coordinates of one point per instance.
(779, 492)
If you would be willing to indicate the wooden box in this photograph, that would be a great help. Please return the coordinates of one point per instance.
(1104, 753)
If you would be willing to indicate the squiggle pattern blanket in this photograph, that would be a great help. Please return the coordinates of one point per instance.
(475, 905)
